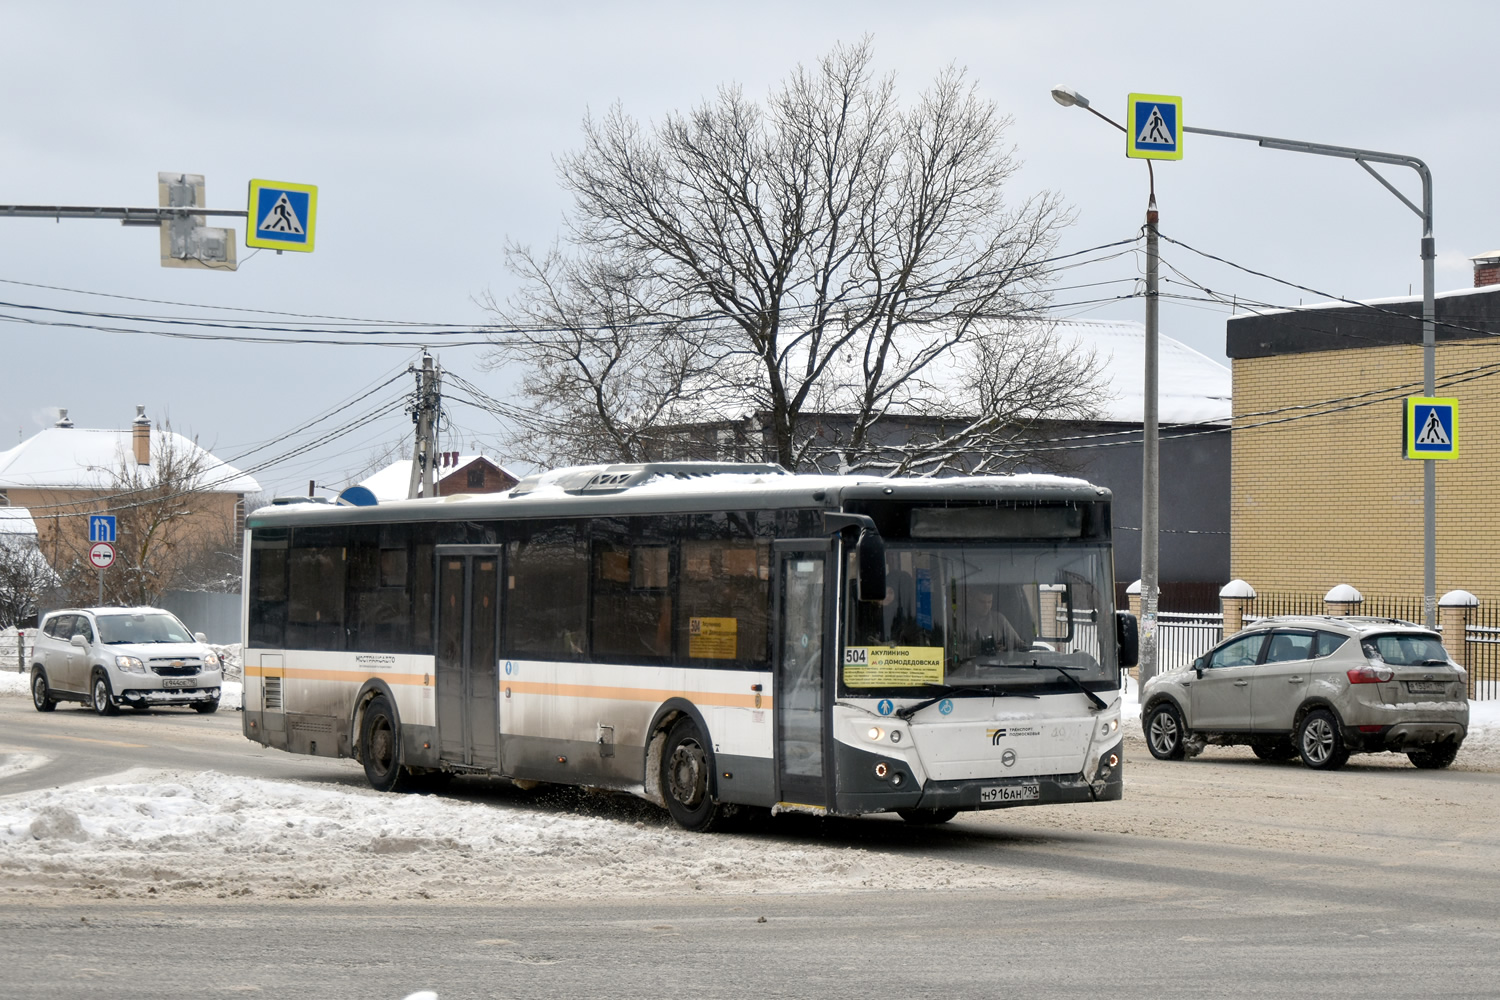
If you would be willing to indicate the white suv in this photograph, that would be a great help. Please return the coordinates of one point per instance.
(108, 657)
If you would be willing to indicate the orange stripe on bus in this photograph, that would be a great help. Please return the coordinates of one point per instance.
(352, 676)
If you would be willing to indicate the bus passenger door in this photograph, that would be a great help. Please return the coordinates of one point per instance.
(468, 683)
(801, 694)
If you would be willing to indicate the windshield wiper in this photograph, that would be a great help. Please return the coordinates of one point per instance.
(995, 690)
(1098, 701)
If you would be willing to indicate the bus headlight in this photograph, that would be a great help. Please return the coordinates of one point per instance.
(874, 734)
(1106, 728)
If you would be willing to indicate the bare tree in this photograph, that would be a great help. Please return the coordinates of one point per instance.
(171, 530)
(822, 254)
(25, 579)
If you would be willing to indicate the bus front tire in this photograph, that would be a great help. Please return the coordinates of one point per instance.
(380, 745)
(687, 778)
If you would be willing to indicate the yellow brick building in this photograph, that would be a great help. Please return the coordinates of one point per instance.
(1320, 491)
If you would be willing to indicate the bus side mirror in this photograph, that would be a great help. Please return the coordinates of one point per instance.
(1127, 639)
(869, 556)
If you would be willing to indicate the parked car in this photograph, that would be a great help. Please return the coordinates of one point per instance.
(1320, 688)
(108, 657)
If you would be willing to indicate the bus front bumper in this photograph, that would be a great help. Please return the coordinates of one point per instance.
(1105, 783)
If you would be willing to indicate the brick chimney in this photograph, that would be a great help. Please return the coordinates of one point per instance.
(1486, 268)
(140, 437)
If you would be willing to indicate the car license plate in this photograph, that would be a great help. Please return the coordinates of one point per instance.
(1011, 793)
(1427, 687)
(179, 682)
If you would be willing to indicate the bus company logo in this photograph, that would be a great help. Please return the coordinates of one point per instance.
(857, 656)
(375, 659)
(995, 735)
(1008, 758)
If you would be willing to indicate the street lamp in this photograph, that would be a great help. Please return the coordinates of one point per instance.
(1364, 157)
(1150, 440)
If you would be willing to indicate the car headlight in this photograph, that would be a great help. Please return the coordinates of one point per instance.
(211, 661)
(130, 664)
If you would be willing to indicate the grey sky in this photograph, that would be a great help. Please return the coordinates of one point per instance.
(430, 131)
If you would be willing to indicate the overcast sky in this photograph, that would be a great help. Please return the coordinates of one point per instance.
(430, 130)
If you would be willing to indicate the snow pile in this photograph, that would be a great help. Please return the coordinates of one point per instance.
(151, 834)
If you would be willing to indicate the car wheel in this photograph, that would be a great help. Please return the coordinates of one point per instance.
(926, 817)
(1320, 742)
(380, 746)
(1276, 750)
(1164, 732)
(687, 778)
(206, 707)
(1435, 756)
(104, 700)
(40, 696)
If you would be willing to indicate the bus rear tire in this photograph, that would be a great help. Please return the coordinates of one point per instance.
(380, 745)
(687, 768)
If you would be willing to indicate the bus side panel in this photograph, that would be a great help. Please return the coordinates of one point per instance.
(588, 723)
(305, 701)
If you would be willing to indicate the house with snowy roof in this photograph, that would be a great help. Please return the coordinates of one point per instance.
(456, 473)
(166, 492)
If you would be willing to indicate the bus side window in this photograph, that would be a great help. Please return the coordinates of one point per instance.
(268, 549)
(724, 596)
(547, 593)
(631, 584)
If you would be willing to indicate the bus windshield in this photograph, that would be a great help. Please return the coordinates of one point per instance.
(984, 616)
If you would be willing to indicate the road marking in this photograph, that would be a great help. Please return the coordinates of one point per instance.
(85, 739)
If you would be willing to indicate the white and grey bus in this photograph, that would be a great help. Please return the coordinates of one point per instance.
(707, 636)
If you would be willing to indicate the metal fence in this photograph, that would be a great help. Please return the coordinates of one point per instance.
(1182, 638)
(14, 649)
(1482, 646)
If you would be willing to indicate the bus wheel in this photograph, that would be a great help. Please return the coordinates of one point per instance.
(926, 817)
(380, 745)
(686, 773)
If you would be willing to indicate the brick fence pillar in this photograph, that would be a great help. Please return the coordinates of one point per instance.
(1343, 600)
(1133, 599)
(1234, 600)
(1455, 611)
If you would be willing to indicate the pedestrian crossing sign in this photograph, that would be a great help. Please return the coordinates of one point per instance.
(1431, 427)
(1153, 127)
(282, 216)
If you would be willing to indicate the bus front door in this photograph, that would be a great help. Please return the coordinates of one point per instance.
(801, 698)
(468, 683)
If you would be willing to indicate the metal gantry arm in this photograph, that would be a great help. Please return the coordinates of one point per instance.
(1365, 157)
(127, 216)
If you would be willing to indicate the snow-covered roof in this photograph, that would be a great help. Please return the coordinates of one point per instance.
(392, 482)
(1192, 388)
(16, 521)
(1389, 300)
(88, 459)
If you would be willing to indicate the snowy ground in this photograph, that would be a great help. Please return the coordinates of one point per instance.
(151, 834)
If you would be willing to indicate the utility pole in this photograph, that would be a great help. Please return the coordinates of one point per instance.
(425, 410)
(1150, 459)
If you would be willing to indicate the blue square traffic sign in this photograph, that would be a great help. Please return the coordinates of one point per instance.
(101, 527)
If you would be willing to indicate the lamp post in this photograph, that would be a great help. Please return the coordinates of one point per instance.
(1365, 157)
(1150, 440)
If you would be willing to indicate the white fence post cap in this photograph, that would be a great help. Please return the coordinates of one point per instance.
(1134, 588)
(1237, 588)
(1458, 599)
(1344, 594)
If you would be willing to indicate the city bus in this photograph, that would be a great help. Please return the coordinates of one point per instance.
(712, 637)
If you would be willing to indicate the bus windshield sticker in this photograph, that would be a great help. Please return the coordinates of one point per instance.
(713, 638)
(893, 666)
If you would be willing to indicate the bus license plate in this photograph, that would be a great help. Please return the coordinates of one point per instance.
(1011, 793)
(179, 682)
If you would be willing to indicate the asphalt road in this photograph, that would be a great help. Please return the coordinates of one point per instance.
(1217, 877)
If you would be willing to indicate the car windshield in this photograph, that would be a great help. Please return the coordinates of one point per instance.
(984, 617)
(1406, 650)
(144, 628)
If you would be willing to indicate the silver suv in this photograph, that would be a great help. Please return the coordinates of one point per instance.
(108, 657)
(1316, 687)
